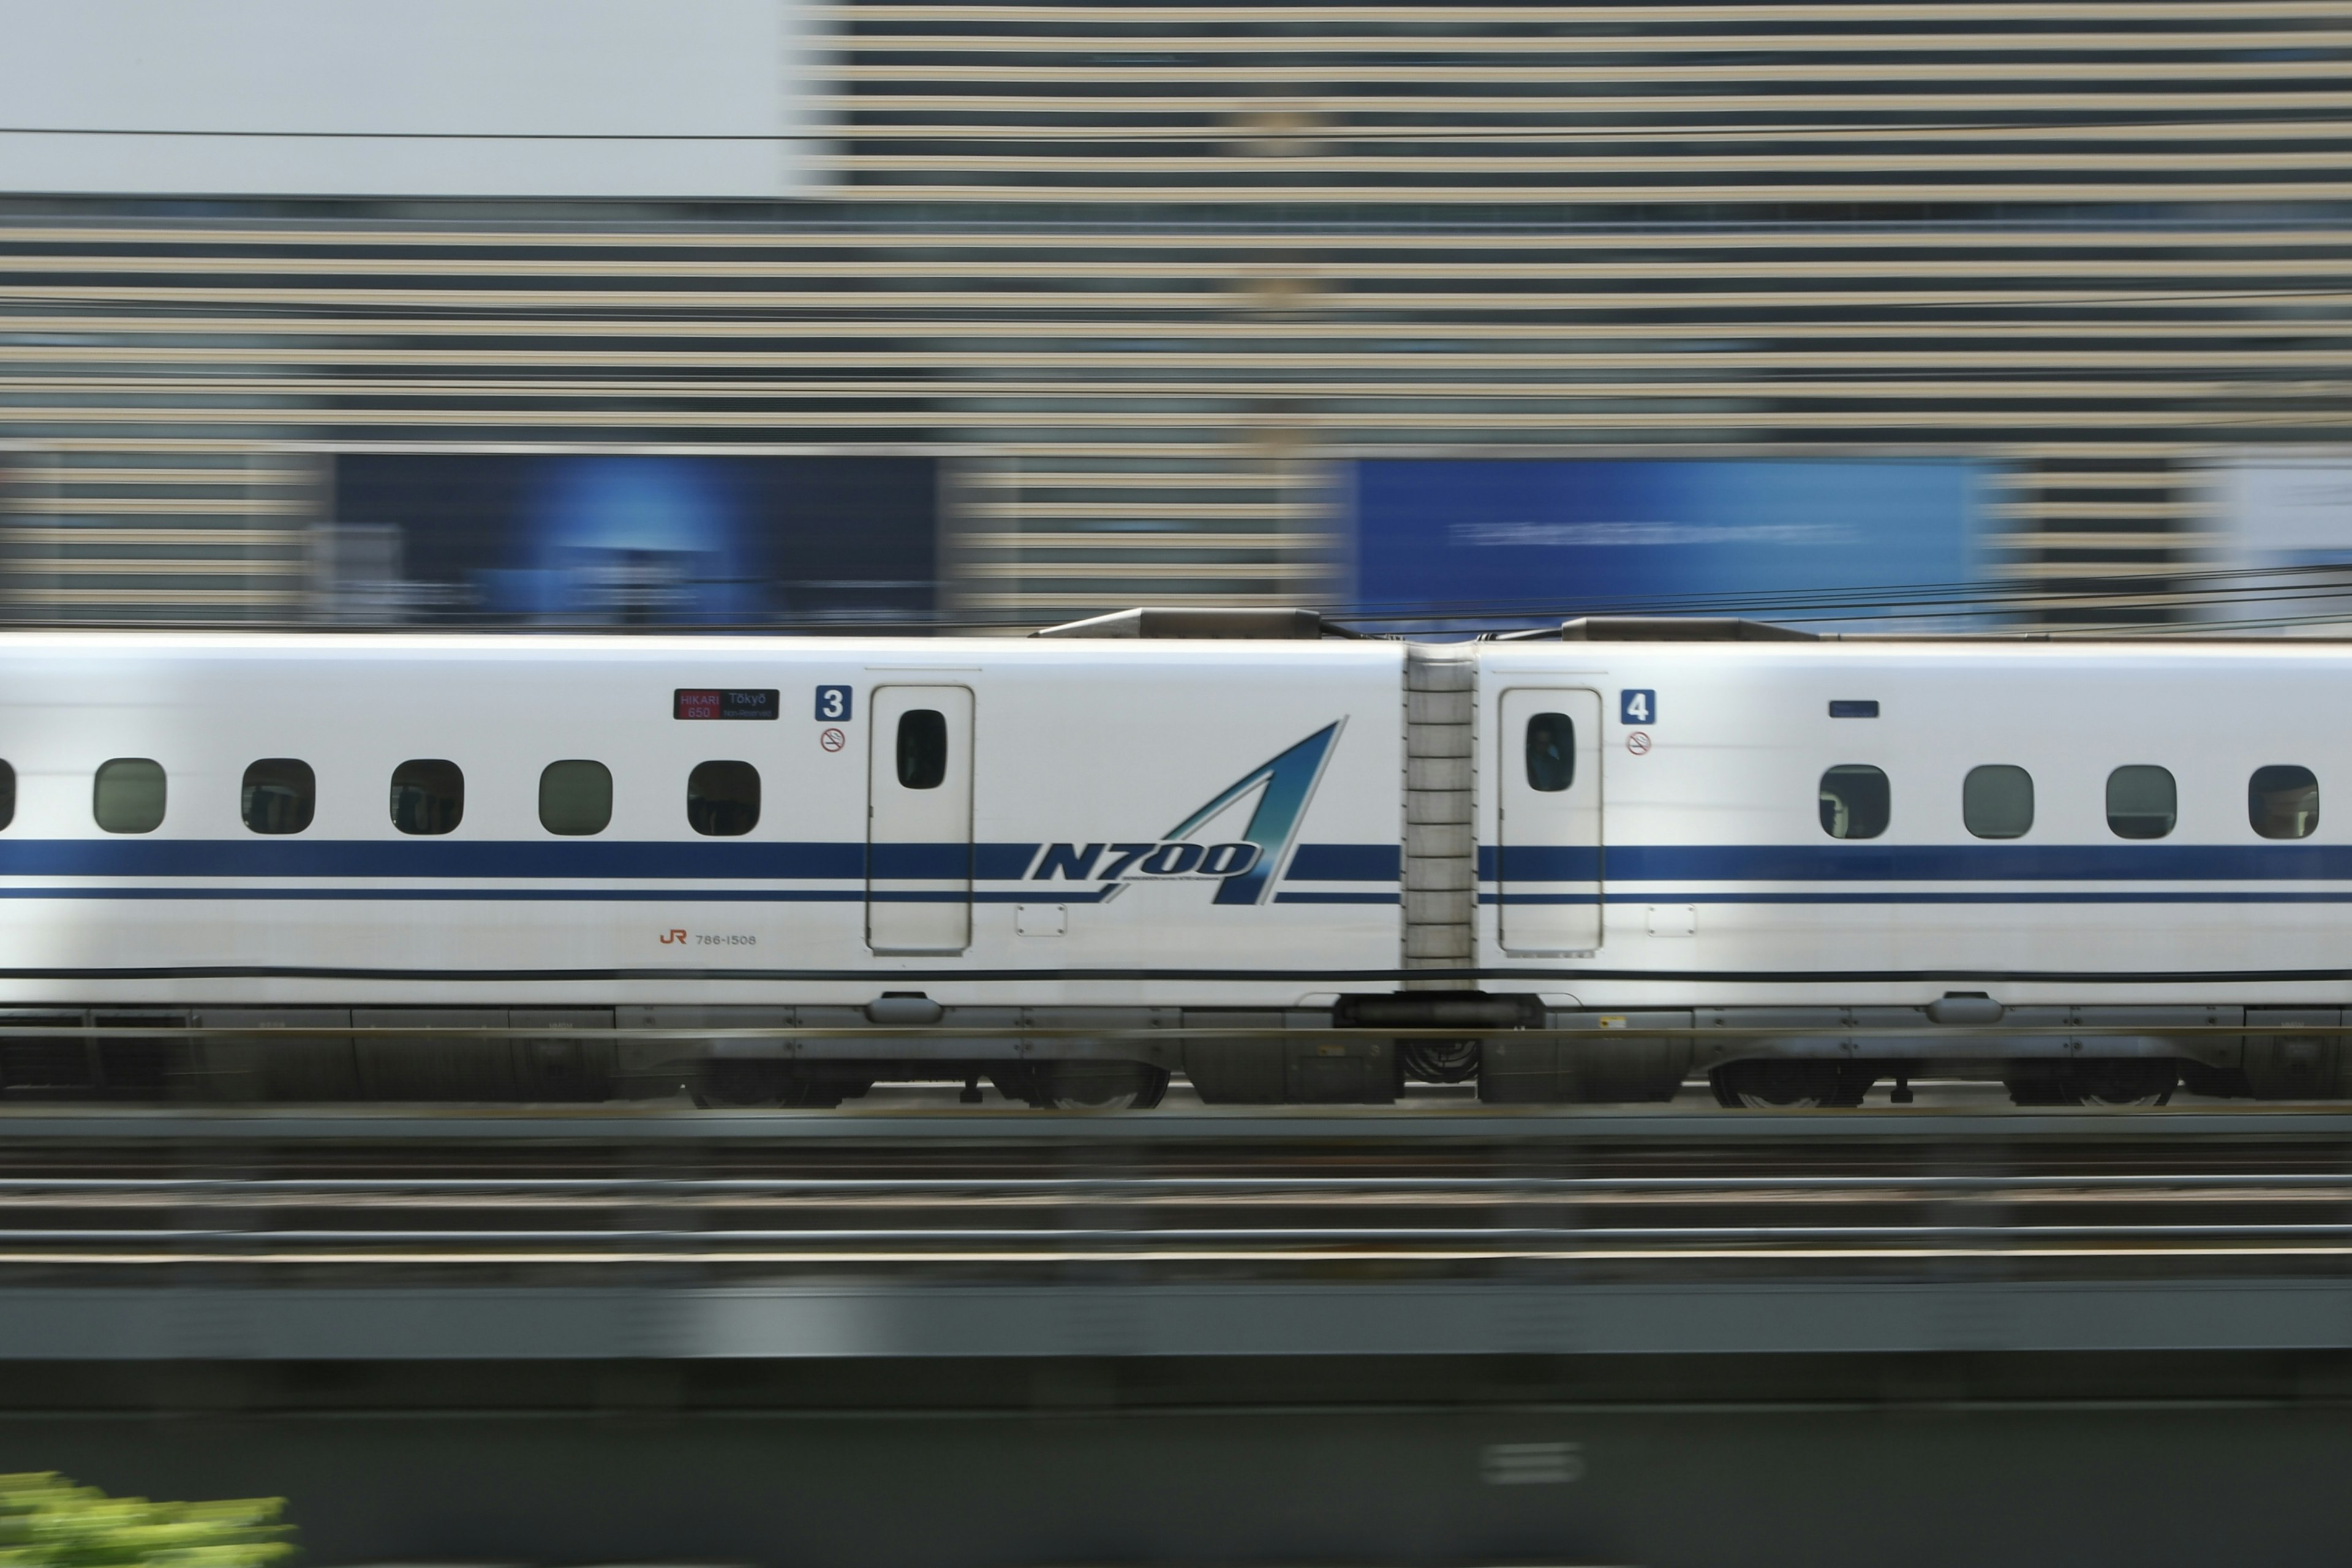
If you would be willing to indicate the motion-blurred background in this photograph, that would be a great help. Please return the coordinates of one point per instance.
(778, 313)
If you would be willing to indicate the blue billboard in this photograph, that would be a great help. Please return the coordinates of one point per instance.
(1473, 544)
(815, 542)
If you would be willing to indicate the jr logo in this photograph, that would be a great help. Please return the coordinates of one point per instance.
(1245, 868)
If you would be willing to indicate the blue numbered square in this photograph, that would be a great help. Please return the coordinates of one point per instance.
(1637, 706)
(833, 703)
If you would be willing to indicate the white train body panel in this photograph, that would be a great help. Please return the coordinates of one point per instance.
(1720, 886)
(1263, 782)
(1074, 744)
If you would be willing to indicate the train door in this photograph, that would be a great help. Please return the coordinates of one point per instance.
(1548, 839)
(919, 820)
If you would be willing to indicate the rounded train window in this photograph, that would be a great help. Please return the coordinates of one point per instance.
(2282, 801)
(428, 795)
(2142, 801)
(128, 795)
(722, 799)
(1551, 752)
(575, 798)
(280, 796)
(1997, 801)
(7, 794)
(922, 749)
(1856, 801)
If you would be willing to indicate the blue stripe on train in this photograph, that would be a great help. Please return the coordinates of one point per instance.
(1923, 863)
(2227, 896)
(740, 860)
(1344, 863)
(693, 860)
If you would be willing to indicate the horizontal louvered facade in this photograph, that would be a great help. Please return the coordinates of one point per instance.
(1141, 273)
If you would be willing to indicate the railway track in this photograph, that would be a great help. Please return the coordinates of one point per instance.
(1598, 1196)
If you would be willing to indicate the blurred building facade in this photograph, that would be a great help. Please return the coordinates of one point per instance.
(1141, 280)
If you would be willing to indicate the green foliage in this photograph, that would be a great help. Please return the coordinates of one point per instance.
(46, 1522)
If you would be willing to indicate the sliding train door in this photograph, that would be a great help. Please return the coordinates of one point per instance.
(1547, 843)
(919, 820)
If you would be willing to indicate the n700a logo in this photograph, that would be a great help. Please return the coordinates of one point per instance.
(1133, 862)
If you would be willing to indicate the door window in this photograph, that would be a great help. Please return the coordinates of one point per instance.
(1551, 752)
(922, 748)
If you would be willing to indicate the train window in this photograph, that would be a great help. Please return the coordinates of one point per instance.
(129, 795)
(722, 799)
(7, 794)
(1856, 801)
(428, 795)
(2142, 801)
(922, 748)
(1997, 801)
(1551, 752)
(278, 796)
(575, 798)
(2282, 800)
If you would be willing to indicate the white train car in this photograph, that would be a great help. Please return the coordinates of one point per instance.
(1284, 863)
(2081, 865)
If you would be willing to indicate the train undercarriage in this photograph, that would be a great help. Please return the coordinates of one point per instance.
(1363, 1051)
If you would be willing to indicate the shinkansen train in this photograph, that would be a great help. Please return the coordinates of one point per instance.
(1594, 864)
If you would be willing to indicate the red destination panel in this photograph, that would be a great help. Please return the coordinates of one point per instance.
(726, 704)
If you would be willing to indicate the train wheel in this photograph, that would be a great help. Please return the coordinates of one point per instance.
(1087, 1086)
(2121, 1083)
(1784, 1084)
(730, 1081)
(2099, 1084)
(807, 1093)
(2038, 1090)
(749, 1083)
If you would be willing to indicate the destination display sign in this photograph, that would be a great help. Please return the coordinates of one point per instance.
(722, 704)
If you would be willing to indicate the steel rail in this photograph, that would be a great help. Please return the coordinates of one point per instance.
(1161, 1034)
(631, 1188)
(411, 1131)
(1335, 1255)
(1283, 1235)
